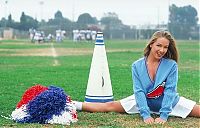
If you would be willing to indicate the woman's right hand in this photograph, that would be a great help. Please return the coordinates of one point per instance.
(149, 120)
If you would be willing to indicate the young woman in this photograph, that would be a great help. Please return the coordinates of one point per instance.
(155, 78)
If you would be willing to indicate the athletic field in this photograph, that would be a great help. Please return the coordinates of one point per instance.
(67, 64)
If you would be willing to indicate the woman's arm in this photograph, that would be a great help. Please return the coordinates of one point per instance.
(140, 95)
(169, 93)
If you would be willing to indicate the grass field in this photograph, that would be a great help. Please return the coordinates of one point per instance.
(67, 64)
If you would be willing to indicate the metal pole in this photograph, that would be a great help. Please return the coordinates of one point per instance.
(41, 3)
(6, 2)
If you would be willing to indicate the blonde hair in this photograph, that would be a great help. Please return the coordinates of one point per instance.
(172, 52)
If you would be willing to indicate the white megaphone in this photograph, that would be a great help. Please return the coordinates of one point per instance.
(99, 88)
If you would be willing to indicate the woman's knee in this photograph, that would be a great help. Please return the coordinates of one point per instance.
(109, 106)
(113, 106)
(195, 111)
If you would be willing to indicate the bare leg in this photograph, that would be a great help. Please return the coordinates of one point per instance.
(195, 111)
(114, 106)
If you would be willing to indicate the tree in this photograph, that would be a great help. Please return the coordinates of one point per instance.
(58, 15)
(86, 19)
(27, 22)
(10, 22)
(113, 25)
(183, 22)
(59, 22)
(111, 19)
(3, 22)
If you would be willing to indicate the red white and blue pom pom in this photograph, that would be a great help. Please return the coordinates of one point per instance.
(40, 104)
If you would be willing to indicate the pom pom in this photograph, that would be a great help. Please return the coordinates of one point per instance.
(19, 113)
(45, 105)
(30, 94)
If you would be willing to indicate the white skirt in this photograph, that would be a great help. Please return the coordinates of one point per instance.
(181, 109)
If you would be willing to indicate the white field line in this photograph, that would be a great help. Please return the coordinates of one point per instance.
(54, 54)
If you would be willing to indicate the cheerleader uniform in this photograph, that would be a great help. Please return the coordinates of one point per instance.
(159, 96)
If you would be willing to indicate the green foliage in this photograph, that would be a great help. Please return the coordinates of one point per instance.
(110, 18)
(58, 15)
(183, 22)
(86, 19)
(27, 22)
(59, 22)
(21, 72)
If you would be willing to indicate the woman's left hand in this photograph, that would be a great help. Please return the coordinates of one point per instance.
(160, 121)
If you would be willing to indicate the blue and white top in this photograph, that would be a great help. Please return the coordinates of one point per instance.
(166, 76)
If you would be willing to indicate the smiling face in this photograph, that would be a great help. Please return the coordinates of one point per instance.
(161, 44)
(159, 48)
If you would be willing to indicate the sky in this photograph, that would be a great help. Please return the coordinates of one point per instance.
(131, 12)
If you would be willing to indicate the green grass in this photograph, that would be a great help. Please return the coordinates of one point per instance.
(20, 72)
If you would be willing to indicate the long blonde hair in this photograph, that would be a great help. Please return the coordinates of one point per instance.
(172, 52)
